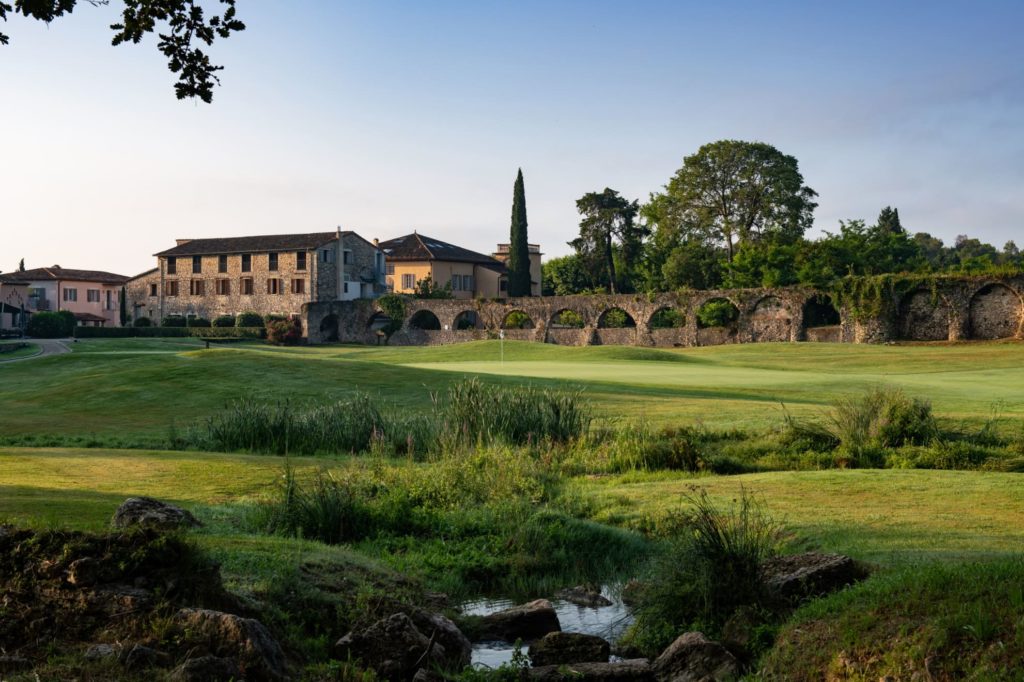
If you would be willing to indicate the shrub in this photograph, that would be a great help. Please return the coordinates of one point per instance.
(616, 319)
(197, 322)
(142, 322)
(517, 319)
(173, 321)
(284, 332)
(709, 569)
(717, 313)
(324, 508)
(47, 325)
(224, 321)
(668, 318)
(881, 417)
(569, 318)
(249, 319)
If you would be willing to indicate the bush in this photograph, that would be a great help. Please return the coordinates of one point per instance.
(717, 313)
(709, 569)
(568, 318)
(249, 319)
(517, 319)
(668, 318)
(224, 321)
(881, 417)
(142, 322)
(284, 332)
(173, 321)
(616, 319)
(325, 509)
(48, 325)
(197, 322)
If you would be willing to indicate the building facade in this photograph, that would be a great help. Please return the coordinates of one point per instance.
(93, 296)
(269, 274)
(413, 258)
(13, 301)
(502, 255)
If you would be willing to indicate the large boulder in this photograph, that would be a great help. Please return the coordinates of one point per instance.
(457, 649)
(695, 658)
(809, 574)
(224, 635)
(581, 595)
(557, 648)
(393, 647)
(526, 621)
(633, 670)
(150, 513)
(207, 669)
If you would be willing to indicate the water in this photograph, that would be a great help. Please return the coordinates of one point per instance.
(607, 622)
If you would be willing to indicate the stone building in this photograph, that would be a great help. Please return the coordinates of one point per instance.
(503, 253)
(414, 257)
(93, 296)
(268, 274)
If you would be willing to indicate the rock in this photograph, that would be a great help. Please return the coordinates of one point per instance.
(98, 652)
(121, 599)
(692, 658)
(637, 669)
(83, 572)
(526, 621)
(145, 511)
(582, 596)
(225, 635)
(557, 648)
(393, 647)
(809, 574)
(10, 664)
(207, 669)
(457, 649)
(631, 592)
(144, 657)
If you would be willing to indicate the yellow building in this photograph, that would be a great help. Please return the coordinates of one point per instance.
(411, 259)
(502, 254)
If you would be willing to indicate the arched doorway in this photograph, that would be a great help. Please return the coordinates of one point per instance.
(517, 319)
(425, 320)
(466, 320)
(615, 318)
(329, 329)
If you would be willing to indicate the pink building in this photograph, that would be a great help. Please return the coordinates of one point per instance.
(94, 297)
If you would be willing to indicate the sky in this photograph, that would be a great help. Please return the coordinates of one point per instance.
(385, 117)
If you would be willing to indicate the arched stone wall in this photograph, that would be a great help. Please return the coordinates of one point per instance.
(924, 315)
(995, 312)
(771, 320)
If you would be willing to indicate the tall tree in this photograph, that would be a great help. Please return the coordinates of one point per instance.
(609, 225)
(889, 221)
(183, 30)
(519, 280)
(21, 265)
(731, 193)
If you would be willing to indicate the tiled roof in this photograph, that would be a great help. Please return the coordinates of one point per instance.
(89, 317)
(58, 273)
(143, 274)
(257, 244)
(415, 247)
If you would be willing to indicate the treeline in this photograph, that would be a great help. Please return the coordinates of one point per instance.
(735, 215)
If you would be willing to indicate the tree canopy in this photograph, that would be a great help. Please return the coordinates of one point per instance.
(609, 232)
(519, 281)
(181, 25)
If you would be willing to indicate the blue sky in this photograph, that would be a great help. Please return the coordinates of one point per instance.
(385, 117)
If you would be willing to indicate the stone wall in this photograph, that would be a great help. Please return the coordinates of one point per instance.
(963, 307)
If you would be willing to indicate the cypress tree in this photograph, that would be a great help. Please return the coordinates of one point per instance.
(519, 282)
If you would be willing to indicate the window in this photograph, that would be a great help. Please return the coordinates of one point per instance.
(456, 280)
(223, 287)
(390, 283)
(110, 300)
(467, 282)
(197, 264)
(345, 257)
(298, 286)
(246, 286)
(92, 295)
(272, 259)
(300, 260)
(172, 265)
(196, 287)
(503, 285)
(390, 268)
(222, 263)
(327, 256)
(171, 288)
(246, 262)
(408, 281)
(70, 295)
(273, 286)
(152, 290)
(346, 287)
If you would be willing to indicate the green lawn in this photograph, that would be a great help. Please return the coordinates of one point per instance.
(124, 387)
(26, 350)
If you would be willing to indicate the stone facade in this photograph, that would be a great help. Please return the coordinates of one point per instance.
(267, 282)
(956, 309)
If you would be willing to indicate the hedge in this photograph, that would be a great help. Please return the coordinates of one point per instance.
(170, 332)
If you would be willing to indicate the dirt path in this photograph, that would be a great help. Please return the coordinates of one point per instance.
(46, 347)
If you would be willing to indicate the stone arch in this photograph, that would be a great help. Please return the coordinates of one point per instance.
(666, 317)
(426, 320)
(820, 311)
(556, 321)
(771, 319)
(467, 320)
(378, 320)
(995, 312)
(924, 316)
(731, 312)
(517, 319)
(615, 318)
(329, 329)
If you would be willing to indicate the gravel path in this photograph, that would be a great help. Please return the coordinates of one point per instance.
(46, 347)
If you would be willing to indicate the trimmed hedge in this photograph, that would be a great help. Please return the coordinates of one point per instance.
(224, 321)
(142, 322)
(173, 321)
(198, 322)
(249, 319)
(169, 332)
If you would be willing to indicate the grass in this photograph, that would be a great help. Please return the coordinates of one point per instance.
(17, 349)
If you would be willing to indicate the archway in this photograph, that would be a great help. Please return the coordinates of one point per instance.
(615, 318)
(425, 320)
(466, 320)
(566, 319)
(378, 321)
(717, 313)
(517, 319)
(821, 319)
(771, 320)
(329, 329)
(667, 318)
(995, 312)
(924, 316)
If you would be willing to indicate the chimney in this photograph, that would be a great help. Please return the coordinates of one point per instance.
(376, 242)
(339, 266)
(179, 242)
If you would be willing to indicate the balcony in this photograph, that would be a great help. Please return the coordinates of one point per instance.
(38, 304)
